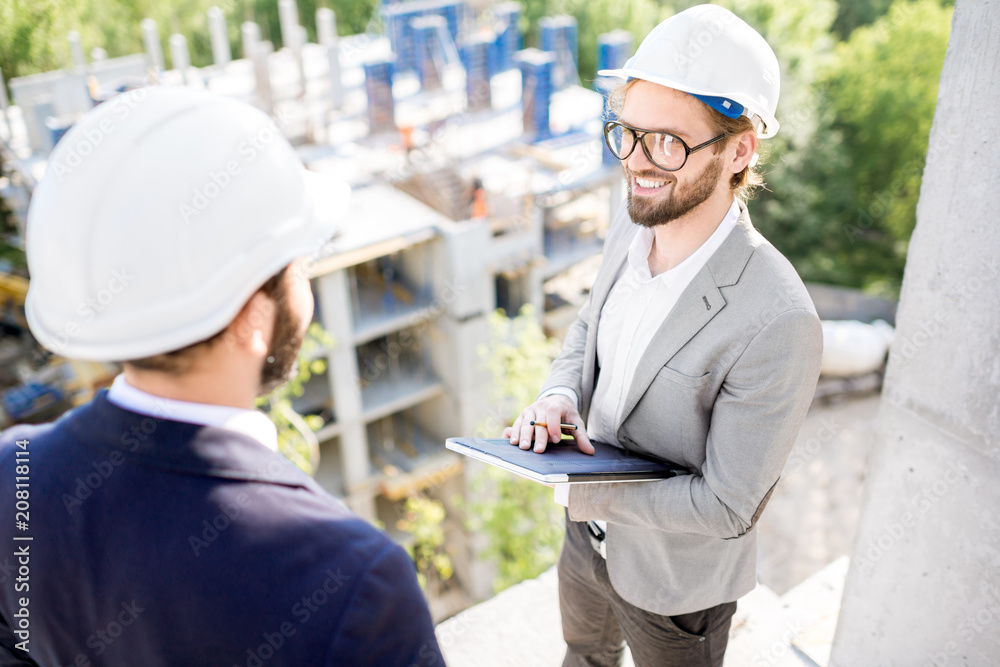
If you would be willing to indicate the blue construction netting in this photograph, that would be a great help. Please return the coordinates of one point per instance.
(398, 18)
(536, 90)
(378, 85)
(559, 36)
(476, 59)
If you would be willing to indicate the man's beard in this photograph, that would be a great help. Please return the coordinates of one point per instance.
(283, 352)
(650, 212)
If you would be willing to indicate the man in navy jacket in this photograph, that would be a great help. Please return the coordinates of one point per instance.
(157, 524)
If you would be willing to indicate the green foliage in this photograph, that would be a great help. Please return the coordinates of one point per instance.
(524, 527)
(522, 523)
(517, 357)
(33, 33)
(424, 519)
(296, 433)
(594, 17)
(882, 90)
(852, 14)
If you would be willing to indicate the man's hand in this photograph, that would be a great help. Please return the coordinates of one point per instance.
(553, 410)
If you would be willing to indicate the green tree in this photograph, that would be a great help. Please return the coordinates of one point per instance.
(523, 526)
(881, 88)
(594, 17)
(33, 34)
(424, 519)
(296, 433)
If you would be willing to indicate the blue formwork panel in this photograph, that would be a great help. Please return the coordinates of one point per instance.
(509, 38)
(536, 91)
(378, 85)
(398, 18)
(613, 49)
(559, 36)
(476, 59)
(427, 34)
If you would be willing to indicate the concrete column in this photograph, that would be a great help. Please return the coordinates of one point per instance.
(326, 26)
(335, 305)
(76, 50)
(250, 33)
(151, 39)
(326, 29)
(4, 103)
(219, 35)
(261, 54)
(924, 582)
(288, 17)
(179, 55)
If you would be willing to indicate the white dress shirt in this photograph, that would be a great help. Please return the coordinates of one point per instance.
(251, 423)
(636, 307)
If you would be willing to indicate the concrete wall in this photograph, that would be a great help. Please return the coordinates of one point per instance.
(924, 582)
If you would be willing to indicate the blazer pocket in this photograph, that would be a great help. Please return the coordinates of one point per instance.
(670, 374)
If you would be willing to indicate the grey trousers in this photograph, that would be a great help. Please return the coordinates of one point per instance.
(597, 621)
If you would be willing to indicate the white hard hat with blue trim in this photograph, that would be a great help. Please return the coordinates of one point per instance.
(713, 55)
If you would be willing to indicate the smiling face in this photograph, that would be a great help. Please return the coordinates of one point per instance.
(655, 196)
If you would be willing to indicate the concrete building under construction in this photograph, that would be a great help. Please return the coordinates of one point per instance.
(480, 181)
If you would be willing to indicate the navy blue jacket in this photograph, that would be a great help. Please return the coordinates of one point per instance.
(157, 542)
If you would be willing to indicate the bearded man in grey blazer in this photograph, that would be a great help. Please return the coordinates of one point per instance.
(698, 344)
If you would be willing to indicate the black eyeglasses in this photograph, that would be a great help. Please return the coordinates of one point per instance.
(667, 151)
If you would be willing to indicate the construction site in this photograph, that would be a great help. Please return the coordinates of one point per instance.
(480, 181)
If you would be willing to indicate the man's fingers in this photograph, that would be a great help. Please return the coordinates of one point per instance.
(580, 434)
(553, 417)
(582, 441)
(524, 437)
(541, 439)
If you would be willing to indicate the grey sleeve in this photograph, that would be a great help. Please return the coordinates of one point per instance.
(756, 418)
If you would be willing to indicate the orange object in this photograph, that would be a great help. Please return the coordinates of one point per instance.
(479, 204)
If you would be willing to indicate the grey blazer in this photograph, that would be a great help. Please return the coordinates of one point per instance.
(722, 389)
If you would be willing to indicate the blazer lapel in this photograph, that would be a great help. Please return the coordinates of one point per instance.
(698, 304)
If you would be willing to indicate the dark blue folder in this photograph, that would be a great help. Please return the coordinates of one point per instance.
(564, 462)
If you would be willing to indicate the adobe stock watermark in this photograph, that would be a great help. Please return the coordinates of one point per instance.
(780, 648)
(91, 307)
(922, 502)
(408, 337)
(972, 625)
(302, 611)
(217, 181)
(104, 637)
(828, 430)
(229, 512)
(87, 142)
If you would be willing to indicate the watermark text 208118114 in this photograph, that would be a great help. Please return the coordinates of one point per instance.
(21, 622)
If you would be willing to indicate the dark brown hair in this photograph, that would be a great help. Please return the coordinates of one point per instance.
(178, 362)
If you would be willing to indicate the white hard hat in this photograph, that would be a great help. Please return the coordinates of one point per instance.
(160, 213)
(712, 54)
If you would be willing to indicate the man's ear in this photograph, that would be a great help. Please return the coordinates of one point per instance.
(252, 328)
(746, 146)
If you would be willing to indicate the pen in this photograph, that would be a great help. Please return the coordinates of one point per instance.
(571, 427)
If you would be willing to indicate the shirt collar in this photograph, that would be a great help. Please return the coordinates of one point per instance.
(642, 243)
(251, 423)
